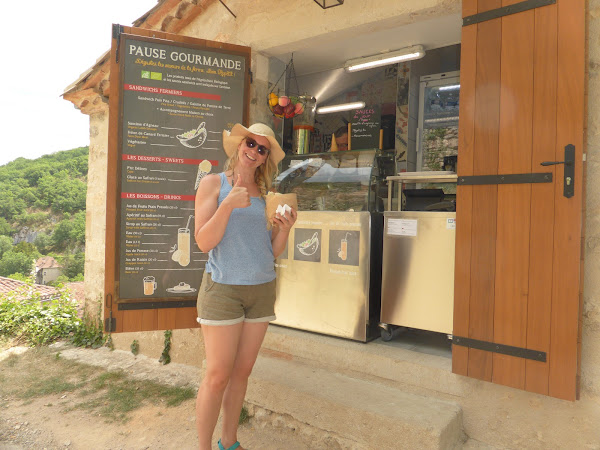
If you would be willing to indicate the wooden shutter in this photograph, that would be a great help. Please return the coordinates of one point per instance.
(518, 245)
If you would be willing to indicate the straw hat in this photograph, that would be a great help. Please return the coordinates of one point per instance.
(231, 140)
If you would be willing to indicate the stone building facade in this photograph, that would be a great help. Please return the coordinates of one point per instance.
(273, 27)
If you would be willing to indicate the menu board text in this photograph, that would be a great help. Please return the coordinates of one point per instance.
(176, 101)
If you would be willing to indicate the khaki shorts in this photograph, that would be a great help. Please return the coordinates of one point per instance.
(228, 304)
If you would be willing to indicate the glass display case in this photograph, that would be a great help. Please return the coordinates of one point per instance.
(333, 287)
(337, 181)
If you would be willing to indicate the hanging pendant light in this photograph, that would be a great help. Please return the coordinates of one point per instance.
(329, 3)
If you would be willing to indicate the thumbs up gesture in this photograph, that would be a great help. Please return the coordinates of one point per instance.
(238, 197)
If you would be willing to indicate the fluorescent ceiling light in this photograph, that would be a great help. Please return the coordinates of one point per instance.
(451, 87)
(405, 54)
(340, 107)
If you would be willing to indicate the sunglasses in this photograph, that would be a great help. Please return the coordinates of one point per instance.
(261, 149)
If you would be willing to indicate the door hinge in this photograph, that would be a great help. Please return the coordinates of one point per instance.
(518, 352)
(110, 324)
(509, 178)
(505, 11)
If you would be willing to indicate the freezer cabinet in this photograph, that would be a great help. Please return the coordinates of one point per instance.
(418, 270)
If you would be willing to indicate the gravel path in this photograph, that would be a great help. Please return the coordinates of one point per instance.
(48, 423)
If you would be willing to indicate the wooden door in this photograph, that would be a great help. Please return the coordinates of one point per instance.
(517, 310)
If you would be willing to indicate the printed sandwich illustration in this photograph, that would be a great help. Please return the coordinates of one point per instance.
(181, 288)
(309, 246)
(194, 138)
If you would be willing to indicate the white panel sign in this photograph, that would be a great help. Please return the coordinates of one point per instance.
(402, 227)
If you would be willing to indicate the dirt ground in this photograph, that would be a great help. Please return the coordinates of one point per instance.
(56, 402)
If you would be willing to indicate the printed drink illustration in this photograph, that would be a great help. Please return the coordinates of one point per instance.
(181, 251)
(149, 285)
(343, 250)
(183, 246)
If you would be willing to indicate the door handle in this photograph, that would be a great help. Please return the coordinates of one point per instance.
(569, 170)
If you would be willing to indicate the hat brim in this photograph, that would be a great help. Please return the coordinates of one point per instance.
(231, 141)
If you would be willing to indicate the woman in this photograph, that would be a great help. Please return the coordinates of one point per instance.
(237, 295)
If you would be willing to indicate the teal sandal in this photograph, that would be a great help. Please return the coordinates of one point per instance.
(233, 447)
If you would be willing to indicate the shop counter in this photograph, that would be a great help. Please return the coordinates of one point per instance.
(329, 276)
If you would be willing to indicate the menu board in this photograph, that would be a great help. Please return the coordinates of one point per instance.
(364, 132)
(176, 101)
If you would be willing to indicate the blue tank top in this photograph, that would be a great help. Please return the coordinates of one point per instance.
(245, 254)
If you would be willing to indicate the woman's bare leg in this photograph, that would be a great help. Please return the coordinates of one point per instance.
(250, 341)
(221, 347)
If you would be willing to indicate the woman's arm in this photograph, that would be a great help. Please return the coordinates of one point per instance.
(281, 231)
(210, 217)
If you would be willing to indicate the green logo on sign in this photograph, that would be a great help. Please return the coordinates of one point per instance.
(145, 74)
(156, 76)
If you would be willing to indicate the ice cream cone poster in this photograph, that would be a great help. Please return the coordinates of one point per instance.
(344, 247)
(204, 169)
(307, 244)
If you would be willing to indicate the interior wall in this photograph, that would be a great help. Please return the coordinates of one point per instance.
(374, 87)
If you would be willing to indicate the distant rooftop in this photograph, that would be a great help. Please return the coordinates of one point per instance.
(9, 285)
(46, 262)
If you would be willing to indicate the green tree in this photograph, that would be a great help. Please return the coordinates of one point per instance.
(73, 265)
(34, 173)
(62, 233)
(20, 277)
(15, 262)
(6, 244)
(11, 202)
(78, 231)
(27, 248)
(61, 192)
(5, 228)
(60, 281)
(30, 189)
(43, 243)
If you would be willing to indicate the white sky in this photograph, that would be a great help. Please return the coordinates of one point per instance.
(45, 46)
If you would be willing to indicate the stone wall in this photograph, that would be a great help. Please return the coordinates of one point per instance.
(300, 20)
(254, 27)
(590, 361)
(95, 223)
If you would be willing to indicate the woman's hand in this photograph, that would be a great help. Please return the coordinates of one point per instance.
(286, 221)
(239, 196)
(282, 224)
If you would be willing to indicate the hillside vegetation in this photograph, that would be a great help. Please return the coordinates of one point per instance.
(42, 212)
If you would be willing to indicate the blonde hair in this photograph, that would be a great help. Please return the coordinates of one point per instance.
(263, 176)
